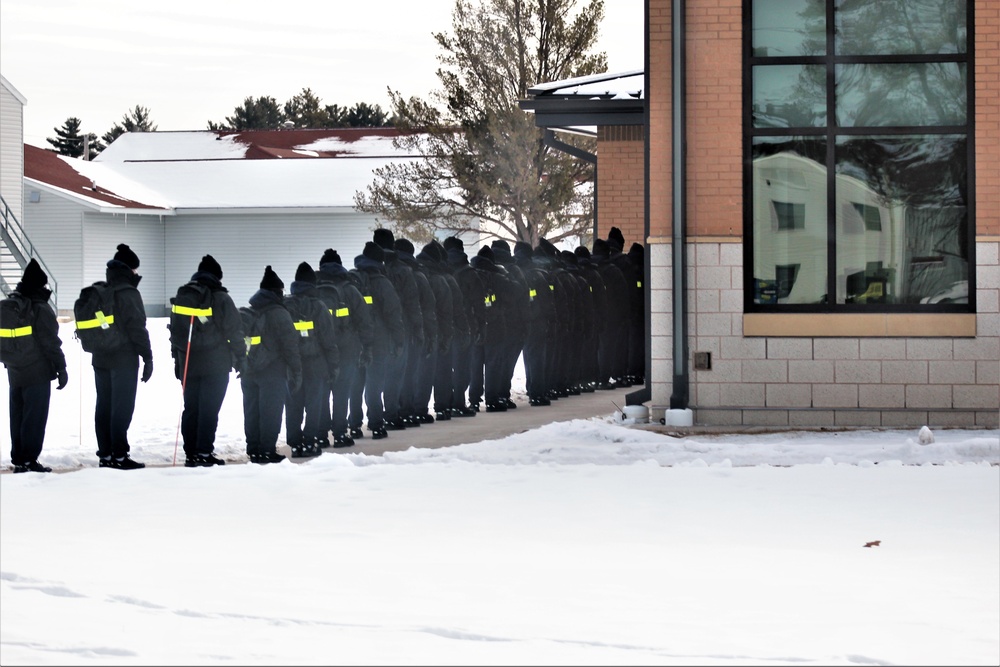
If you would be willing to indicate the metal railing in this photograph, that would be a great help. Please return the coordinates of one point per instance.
(17, 244)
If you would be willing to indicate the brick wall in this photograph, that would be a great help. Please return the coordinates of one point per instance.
(621, 182)
(987, 35)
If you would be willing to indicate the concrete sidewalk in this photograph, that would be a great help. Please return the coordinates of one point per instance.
(487, 425)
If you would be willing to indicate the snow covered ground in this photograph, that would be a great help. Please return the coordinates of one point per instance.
(582, 542)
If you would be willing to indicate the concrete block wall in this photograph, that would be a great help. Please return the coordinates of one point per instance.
(849, 381)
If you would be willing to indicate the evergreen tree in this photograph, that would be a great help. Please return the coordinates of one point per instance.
(306, 111)
(262, 113)
(136, 120)
(367, 115)
(475, 139)
(70, 142)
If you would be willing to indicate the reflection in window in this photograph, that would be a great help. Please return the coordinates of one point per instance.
(789, 215)
(901, 94)
(789, 95)
(790, 223)
(899, 27)
(789, 27)
(908, 195)
(859, 167)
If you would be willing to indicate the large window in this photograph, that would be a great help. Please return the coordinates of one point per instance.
(857, 122)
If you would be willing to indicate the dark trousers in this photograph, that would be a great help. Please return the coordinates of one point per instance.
(460, 363)
(203, 396)
(493, 372)
(411, 379)
(394, 385)
(423, 382)
(29, 412)
(341, 395)
(116, 389)
(510, 352)
(356, 411)
(307, 402)
(263, 402)
(374, 388)
(444, 382)
(477, 373)
(535, 378)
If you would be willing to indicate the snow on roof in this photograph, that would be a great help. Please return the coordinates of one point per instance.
(223, 170)
(621, 85)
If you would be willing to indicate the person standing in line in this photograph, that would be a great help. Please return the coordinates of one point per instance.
(33, 356)
(116, 373)
(216, 346)
(320, 365)
(539, 320)
(414, 400)
(273, 367)
(389, 336)
(473, 303)
(339, 290)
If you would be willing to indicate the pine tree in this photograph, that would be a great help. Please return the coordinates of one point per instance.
(136, 120)
(262, 113)
(475, 139)
(70, 142)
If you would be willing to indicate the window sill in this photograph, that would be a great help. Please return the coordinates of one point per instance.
(895, 325)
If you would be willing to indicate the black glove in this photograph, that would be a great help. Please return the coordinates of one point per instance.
(240, 366)
(63, 377)
(366, 357)
(178, 369)
(147, 369)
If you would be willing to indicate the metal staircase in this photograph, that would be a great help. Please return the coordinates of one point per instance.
(16, 250)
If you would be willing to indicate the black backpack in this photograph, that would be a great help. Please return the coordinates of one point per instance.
(302, 311)
(18, 344)
(96, 328)
(260, 352)
(191, 315)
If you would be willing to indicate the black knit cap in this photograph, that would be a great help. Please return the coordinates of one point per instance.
(546, 248)
(374, 252)
(601, 247)
(209, 265)
(523, 249)
(305, 273)
(454, 242)
(34, 277)
(616, 239)
(403, 245)
(582, 251)
(568, 257)
(271, 280)
(384, 238)
(501, 250)
(330, 256)
(438, 251)
(127, 257)
(487, 252)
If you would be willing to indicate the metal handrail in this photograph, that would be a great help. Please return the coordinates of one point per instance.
(21, 247)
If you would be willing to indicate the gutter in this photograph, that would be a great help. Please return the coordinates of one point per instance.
(681, 384)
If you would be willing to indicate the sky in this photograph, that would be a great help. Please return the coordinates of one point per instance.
(585, 542)
(191, 61)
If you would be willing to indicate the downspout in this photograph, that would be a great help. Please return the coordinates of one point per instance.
(549, 139)
(681, 385)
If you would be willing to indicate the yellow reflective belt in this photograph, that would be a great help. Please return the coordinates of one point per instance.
(343, 312)
(100, 321)
(201, 313)
(369, 300)
(638, 284)
(252, 340)
(15, 333)
(552, 288)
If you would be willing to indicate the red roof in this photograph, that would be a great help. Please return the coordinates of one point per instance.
(52, 169)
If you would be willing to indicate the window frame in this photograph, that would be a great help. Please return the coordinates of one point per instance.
(831, 132)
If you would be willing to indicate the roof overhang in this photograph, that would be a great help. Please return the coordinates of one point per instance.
(584, 103)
